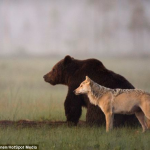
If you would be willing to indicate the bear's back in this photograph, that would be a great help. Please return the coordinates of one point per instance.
(100, 74)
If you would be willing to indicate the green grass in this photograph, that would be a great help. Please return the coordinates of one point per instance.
(77, 138)
(25, 95)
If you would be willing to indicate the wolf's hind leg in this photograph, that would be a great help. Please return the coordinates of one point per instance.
(145, 106)
(147, 113)
(141, 117)
(147, 121)
(146, 110)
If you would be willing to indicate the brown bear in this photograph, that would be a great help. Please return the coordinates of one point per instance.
(71, 72)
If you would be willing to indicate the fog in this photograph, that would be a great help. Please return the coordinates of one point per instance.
(79, 27)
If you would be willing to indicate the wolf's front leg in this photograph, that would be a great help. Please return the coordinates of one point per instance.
(112, 121)
(109, 121)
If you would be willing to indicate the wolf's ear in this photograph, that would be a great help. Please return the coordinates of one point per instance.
(67, 60)
(87, 78)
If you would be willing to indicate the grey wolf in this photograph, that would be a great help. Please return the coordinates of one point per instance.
(117, 101)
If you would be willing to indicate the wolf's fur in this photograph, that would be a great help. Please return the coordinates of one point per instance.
(117, 101)
(98, 91)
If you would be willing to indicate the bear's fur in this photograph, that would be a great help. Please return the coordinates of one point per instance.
(72, 72)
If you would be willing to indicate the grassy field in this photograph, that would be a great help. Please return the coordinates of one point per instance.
(25, 95)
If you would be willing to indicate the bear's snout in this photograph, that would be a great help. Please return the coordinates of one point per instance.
(49, 79)
(44, 76)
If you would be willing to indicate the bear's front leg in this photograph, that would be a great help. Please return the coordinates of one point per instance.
(73, 108)
(94, 115)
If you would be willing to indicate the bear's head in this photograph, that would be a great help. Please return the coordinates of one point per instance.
(60, 72)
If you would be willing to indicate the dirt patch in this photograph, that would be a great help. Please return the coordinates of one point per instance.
(28, 123)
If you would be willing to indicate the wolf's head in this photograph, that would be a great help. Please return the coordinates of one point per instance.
(84, 87)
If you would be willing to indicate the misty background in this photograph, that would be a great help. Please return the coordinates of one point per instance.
(76, 27)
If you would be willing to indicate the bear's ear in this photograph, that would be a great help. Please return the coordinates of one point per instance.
(67, 60)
